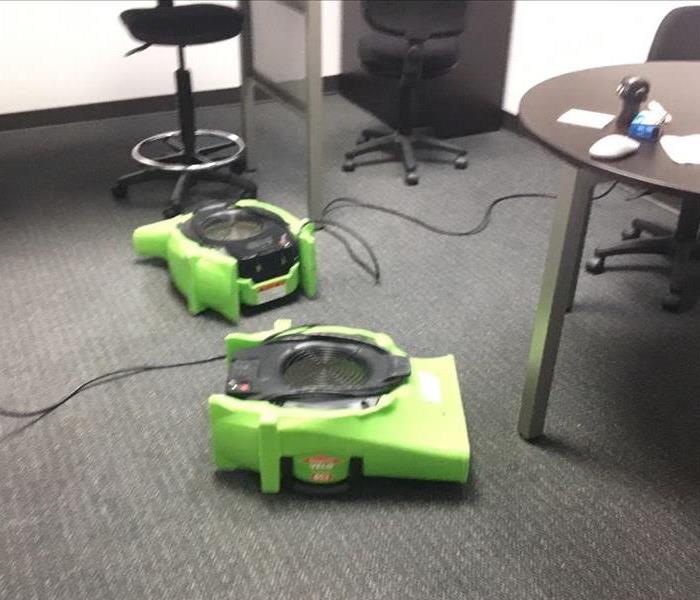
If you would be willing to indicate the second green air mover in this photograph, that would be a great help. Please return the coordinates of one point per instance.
(224, 255)
(315, 407)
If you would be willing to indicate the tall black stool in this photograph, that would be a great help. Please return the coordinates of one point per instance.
(191, 154)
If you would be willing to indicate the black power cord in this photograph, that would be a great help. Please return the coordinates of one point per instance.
(639, 195)
(481, 226)
(345, 202)
(613, 185)
(40, 413)
(372, 270)
(104, 378)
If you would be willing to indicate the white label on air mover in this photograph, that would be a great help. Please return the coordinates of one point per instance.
(271, 291)
(430, 386)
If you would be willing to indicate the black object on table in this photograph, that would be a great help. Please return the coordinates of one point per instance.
(676, 39)
(632, 91)
(187, 160)
(414, 40)
(677, 86)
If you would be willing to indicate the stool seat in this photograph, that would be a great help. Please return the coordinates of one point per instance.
(183, 25)
(184, 156)
(384, 55)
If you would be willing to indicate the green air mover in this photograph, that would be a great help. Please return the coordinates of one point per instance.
(221, 256)
(314, 407)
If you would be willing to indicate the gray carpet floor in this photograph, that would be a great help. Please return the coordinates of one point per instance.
(114, 495)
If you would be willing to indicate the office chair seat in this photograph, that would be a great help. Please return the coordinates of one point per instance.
(183, 25)
(385, 54)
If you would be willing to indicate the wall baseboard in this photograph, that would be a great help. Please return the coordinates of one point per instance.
(512, 123)
(135, 106)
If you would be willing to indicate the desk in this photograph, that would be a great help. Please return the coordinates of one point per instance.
(297, 86)
(677, 86)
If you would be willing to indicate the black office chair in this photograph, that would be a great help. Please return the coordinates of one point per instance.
(187, 158)
(677, 38)
(417, 40)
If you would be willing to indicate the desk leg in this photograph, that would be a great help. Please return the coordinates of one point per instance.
(247, 87)
(558, 284)
(248, 121)
(314, 110)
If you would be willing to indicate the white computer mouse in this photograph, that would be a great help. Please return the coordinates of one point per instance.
(613, 146)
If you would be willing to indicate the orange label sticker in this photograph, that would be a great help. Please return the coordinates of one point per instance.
(322, 458)
(272, 284)
(271, 290)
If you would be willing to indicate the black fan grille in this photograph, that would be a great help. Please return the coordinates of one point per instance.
(325, 368)
(226, 230)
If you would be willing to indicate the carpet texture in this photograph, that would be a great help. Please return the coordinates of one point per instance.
(114, 495)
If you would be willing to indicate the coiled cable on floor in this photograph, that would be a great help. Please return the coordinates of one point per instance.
(346, 202)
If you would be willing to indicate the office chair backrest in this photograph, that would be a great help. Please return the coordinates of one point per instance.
(678, 36)
(416, 19)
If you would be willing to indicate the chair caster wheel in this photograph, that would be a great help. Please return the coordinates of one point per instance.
(461, 162)
(171, 211)
(349, 166)
(595, 266)
(119, 191)
(672, 303)
(411, 178)
(631, 233)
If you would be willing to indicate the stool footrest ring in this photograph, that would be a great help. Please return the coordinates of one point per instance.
(202, 162)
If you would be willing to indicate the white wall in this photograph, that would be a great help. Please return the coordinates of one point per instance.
(552, 38)
(68, 52)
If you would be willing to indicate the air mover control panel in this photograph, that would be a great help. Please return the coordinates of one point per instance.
(259, 240)
(316, 369)
(222, 256)
(317, 407)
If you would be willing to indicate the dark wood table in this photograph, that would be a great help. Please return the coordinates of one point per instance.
(676, 85)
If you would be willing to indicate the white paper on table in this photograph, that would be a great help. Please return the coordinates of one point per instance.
(585, 118)
(682, 149)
